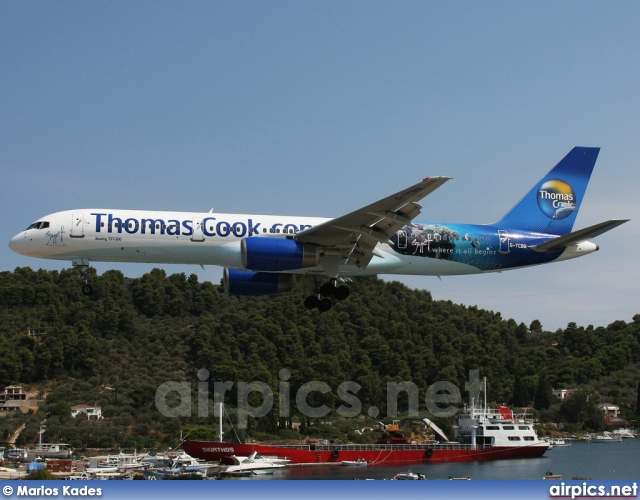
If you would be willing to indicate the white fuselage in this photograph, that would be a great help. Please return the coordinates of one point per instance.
(108, 235)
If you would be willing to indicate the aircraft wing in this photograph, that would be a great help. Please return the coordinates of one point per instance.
(355, 235)
(578, 236)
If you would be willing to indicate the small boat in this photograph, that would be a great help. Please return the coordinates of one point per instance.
(16, 455)
(408, 476)
(359, 462)
(51, 450)
(605, 437)
(119, 463)
(254, 464)
(185, 464)
(624, 433)
(559, 442)
(550, 476)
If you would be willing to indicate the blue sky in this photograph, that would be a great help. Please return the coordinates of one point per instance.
(318, 108)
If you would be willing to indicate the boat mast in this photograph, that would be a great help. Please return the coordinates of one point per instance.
(484, 389)
(220, 422)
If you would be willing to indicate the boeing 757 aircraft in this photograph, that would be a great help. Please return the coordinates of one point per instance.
(260, 253)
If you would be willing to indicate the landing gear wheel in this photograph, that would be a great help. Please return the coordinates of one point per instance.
(87, 289)
(342, 292)
(327, 289)
(325, 304)
(311, 302)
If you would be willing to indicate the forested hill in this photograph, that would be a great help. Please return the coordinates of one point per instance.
(117, 346)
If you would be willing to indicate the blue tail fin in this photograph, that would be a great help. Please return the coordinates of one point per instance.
(552, 205)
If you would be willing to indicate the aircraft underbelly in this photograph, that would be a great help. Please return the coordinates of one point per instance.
(195, 253)
(402, 264)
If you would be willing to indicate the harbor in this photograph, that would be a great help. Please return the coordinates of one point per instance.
(581, 460)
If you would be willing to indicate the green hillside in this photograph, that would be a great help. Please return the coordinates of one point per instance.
(117, 347)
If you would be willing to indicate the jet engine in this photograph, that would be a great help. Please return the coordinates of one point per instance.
(277, 254)
(251, 283)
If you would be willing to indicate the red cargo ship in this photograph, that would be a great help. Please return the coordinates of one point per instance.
(485, 434)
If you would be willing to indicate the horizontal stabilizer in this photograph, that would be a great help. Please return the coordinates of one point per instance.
(578, 236)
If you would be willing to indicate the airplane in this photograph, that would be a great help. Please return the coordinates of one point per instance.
(261, 253)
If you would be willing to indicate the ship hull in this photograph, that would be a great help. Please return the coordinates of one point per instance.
(374, 454)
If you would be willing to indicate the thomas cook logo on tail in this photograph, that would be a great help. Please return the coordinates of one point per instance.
(556, 199)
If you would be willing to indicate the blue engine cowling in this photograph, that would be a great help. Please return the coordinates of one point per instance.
(277, 254)
(252, 283)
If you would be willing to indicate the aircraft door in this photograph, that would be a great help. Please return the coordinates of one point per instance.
(402, 239)
(197, 235)
(77, 225)
(503, 236)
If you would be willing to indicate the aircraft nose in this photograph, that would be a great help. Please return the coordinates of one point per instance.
(19, 243)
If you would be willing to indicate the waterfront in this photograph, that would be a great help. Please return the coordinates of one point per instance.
(612, 461)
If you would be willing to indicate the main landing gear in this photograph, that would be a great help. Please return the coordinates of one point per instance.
(323, 294)
(83, 265)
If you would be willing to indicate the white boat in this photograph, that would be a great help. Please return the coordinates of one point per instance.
(119, 463)
(51, 450)
(360, 462)
(559, 442)
(184, 463)
(624, 433)
(607, 437)
(408, 476)
(16, 455)
(252, 465)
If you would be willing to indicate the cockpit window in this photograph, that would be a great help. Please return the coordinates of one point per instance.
(38, 225)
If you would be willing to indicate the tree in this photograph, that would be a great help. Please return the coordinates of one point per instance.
(535, 326)
(544, 394)
(580, 407)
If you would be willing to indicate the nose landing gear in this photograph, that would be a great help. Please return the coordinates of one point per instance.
(323, 294)
(83, 265)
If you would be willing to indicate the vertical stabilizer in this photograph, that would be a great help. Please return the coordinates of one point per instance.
(552, 205)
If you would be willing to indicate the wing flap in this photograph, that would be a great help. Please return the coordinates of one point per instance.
(578, 236)
(358, 232)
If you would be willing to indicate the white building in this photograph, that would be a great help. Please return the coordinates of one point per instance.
(562, 393)
(92, 412)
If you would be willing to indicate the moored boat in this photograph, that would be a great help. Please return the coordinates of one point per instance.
(607, 437)
(51, 450)
(254, 464)
(560, 442)
(16, 455)
(408, 476)
(185, 464)
(481, 434)
(357, 463)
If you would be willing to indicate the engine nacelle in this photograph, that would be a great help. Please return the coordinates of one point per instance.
(277, 254)
(251, 283)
